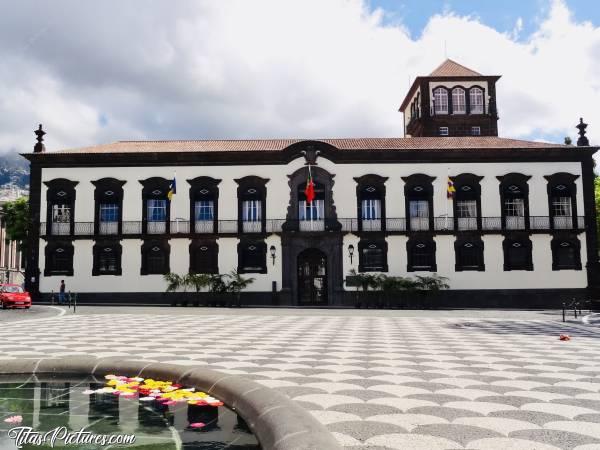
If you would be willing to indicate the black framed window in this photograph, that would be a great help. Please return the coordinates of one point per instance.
(155, 258)
(418, 194)
(204, 204)
(514, 197)
(372, 256)
(107, 258)
(562, 201)
(59, 259)
(469, 254)
(315, 210)
(204, 257)
(467, 201)
(517, 253)
(108, 200)
(421, 255)
(252, 194)
(566, 253)
(370, 196)
(252, 257)
(156, 207)
(60, 204)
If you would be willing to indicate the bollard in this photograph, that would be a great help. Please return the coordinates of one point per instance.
(564, 306)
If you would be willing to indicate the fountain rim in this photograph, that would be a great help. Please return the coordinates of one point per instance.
(277, 421)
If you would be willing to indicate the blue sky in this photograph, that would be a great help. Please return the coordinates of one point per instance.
(501, 15)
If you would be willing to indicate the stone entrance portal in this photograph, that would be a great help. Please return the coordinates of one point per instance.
(312, 278)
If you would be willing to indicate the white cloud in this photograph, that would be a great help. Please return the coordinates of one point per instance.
(232, 69)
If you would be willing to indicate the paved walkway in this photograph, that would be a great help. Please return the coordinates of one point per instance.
(376, 381)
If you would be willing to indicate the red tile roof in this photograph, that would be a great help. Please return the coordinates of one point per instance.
(451, 68)
(270, 145)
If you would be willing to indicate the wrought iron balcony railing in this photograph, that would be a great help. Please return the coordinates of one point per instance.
(348, 225)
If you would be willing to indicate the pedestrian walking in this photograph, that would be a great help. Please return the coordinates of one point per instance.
(61, 293)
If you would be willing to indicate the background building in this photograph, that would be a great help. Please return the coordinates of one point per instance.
(519, 230)
(12, 262)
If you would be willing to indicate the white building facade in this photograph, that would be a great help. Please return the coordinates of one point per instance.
(518, 231)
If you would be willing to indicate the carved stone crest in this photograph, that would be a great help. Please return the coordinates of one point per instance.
(310, 155)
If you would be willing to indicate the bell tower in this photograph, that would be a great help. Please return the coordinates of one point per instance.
(453, 100)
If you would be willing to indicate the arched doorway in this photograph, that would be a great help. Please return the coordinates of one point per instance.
(312, 278)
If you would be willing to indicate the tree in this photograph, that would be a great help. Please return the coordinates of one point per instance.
(16, 215)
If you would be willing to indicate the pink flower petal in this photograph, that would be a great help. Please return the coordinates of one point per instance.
(197, 425)
(14, 419)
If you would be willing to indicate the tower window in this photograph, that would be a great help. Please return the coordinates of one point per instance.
(459, 102)
(475, 131)
(476, 100)
(444, 131)
(440, 97)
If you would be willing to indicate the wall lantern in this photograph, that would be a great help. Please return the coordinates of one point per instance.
(351, 252)
(272, 250)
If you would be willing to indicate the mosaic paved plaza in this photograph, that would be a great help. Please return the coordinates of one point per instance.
(376, 379)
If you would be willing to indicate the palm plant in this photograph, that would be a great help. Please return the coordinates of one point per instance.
(235, 283)
(198, 281)
(431, 285)
(364, 281)
(393, 287)
(175, 282)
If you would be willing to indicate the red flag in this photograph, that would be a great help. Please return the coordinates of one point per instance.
(310, 189)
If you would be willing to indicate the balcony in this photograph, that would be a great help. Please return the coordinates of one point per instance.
(134, 229)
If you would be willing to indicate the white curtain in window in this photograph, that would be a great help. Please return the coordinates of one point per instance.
(440, 97)
(476, 100)
(514, 210)
(419, 214)
(459, 102)
(562, 212)
(251, 211)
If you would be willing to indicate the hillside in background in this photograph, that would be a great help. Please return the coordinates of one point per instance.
(14, 169)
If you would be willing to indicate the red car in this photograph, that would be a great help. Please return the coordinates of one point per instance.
(13, 296)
